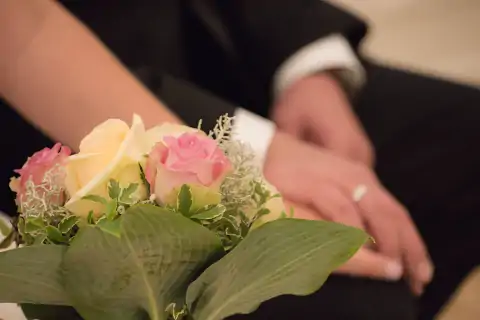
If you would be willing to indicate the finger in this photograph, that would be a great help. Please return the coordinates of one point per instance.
(341, 132)
(302, 211)
(335, 206)
(367, 263)
(353, 145)
(288, 121)
(381, 213)
(418, 263)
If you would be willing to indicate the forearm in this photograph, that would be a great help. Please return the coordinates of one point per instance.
(60, 77)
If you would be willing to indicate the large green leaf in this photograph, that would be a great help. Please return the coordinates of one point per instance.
(5, 227)
(287, 256)
(32, 275)
(139, 273)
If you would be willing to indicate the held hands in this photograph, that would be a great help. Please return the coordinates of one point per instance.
(330, 175)
(316, 109)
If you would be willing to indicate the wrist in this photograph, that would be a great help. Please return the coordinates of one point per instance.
(324, 82)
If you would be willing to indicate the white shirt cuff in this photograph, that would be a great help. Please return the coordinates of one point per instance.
(332, 52)
(254, 130)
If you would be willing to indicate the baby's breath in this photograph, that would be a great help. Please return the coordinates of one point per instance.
(222, 132)
(243, 190)
(43, 200)
(239, 186)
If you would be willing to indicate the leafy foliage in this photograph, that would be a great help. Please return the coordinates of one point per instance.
(32, 275)
(184, 200)
(203, 257)
(144, 270)
(227, 221)
(8, 240)
(7, 233)
(144, 178)
(147, 267)
(286, 256)
(38, 230)
(5, 227)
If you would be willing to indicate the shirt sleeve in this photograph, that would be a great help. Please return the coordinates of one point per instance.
(254, 130)
(331, 53)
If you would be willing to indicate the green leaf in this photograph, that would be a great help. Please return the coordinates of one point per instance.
(109, 226)
(184, 200)
(34, 224)
(8, 240)
(176, 313)
(46, 312)
(90, 217)
(21, 226)
(126, 194)
(141, 272)
(144, 178)
(67, 224)
(111, 210)
(95, 198)
(210, 214)
(55, 236)
(262, 212)
(286, 256)
(5, 227)
(32, 275)
(113, 189)
(39, 239)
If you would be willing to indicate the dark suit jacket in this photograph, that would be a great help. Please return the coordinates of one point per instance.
(230, 48)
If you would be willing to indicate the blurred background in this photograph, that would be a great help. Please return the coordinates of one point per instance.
(436, 37)
(439, 37)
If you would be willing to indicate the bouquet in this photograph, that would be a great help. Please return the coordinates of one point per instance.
(165, 223)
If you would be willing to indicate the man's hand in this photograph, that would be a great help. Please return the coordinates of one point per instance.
(316, 109)
(324, 182)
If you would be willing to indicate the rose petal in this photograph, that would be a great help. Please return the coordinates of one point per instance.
(166, 181)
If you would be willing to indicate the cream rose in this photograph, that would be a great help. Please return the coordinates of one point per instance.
(111, 151)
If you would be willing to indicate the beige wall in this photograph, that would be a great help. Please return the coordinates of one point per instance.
(436, 36)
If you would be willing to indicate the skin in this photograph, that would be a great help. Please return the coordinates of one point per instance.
(39, 77)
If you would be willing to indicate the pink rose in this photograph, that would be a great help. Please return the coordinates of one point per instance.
(192, 158)
(37, 166)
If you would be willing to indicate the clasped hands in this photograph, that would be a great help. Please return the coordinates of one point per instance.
(317, 158)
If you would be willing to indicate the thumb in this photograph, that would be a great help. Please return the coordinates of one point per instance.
(370, 264)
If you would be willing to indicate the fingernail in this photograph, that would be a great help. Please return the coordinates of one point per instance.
(393, 270)
(425, 272)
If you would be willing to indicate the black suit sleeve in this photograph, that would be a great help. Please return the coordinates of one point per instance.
(266, 32)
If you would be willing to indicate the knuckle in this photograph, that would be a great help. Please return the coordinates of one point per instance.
(363, 172)
(345, 209)
(367, 153)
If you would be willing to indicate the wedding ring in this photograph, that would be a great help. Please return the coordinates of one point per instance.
(359, 192)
